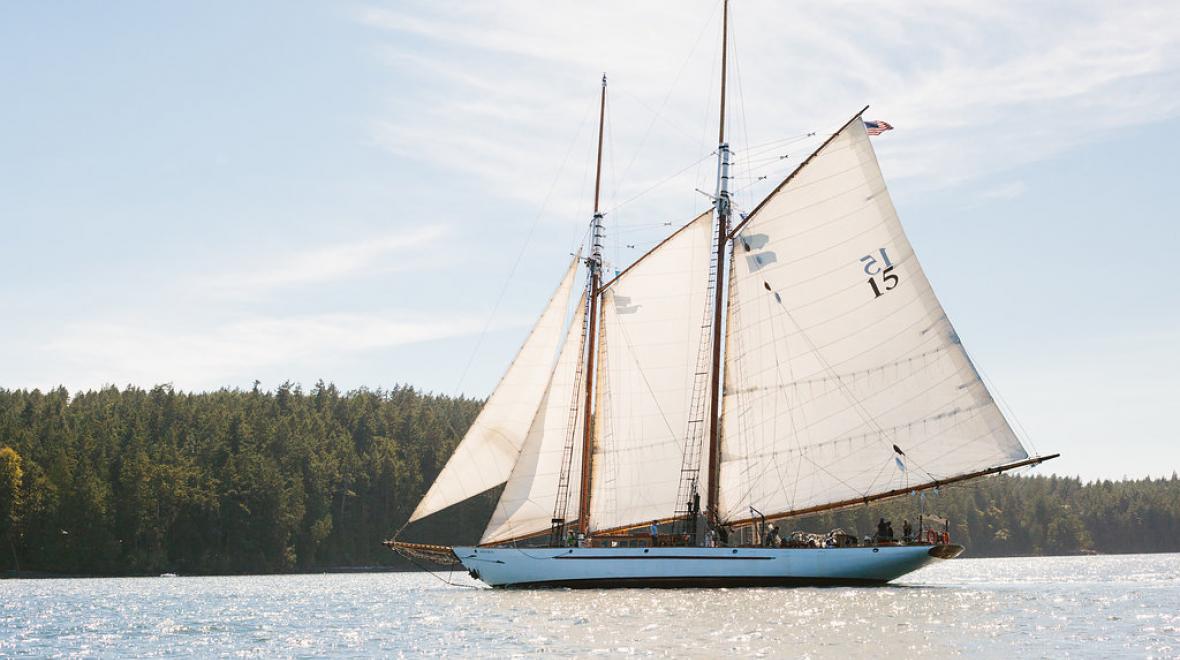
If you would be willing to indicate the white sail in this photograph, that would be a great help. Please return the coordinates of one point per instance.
(650, 335)
(838, 351)
(527, 504)
(490, 448)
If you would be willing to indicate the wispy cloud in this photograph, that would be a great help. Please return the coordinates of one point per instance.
(974, 88)
(1010, 190)
(150, 351)
(323, 264)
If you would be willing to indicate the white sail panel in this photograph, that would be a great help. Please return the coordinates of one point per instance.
(527, 504)
(650, 335)
(838, 351)
(485, 456)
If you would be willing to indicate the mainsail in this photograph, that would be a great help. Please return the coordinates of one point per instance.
(489, 450)
(526, 505)
(843, 376)
(650, 335)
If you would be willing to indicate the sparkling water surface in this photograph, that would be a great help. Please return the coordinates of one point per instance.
(1114, 606)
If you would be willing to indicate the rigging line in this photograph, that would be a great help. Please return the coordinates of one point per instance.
(790, 408)
(659, 184)
(668, 95)
(656, 115)
(802, 456)
(646, 383)
(848, 433)
(614, 175)
(706, 123)
(511, 273)
(755, 180)
(995, 390)
(741, 96)
(878, 475)
(519, 256)
(435, 575)
(764, 152)
(768, 162)
(929, 438)
(794, 384)
(775, 144)
(966, 442)
(857, 405)
(760, 151)
(771, 164)
(826, 392)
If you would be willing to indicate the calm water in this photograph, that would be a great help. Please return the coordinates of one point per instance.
(1082, 606)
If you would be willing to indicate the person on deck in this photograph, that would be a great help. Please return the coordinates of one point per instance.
(882, 529)
(772, 538)
(907, 530)
(889, 530)
(655, 532)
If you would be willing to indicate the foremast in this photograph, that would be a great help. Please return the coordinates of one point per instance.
(593, 292)
(723, 212)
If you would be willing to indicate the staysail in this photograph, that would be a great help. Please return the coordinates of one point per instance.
(843, 376)
(489, 450)
(650, 334)
(526, 505)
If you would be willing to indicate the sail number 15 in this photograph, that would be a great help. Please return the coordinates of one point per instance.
(884, 268)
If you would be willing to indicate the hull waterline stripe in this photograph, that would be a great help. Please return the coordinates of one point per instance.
(695, 582)
(697, 557)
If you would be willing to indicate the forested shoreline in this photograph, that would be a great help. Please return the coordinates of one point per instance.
(134, 482)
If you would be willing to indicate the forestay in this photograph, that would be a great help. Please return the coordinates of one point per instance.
(650, 333)
(490, 448)
(843, 376)
(526, 505)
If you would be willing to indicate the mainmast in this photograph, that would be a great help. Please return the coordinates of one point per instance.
(593, 283)
(723, 214)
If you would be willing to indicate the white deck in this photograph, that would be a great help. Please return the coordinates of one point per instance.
(686, 567)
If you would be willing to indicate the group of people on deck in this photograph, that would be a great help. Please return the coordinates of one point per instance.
(771, 537)
(885, 531)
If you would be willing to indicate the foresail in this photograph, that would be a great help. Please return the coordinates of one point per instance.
(843, 376)
(650, 335)
(527, 503)
(490, 448)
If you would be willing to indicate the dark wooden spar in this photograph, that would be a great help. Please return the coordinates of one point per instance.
(593, 291)
(723, 213)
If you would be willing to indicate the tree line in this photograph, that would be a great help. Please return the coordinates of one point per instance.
(135, 481)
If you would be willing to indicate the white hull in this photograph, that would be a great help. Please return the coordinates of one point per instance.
(702, 567)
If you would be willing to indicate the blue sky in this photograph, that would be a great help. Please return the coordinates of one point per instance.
(212, 193)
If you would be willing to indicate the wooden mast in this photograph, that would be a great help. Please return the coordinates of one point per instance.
(723, 213)
(593, 285)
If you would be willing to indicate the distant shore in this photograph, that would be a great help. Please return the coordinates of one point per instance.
(410, 568)
(150, 481)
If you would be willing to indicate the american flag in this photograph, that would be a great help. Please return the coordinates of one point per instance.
(877, 127)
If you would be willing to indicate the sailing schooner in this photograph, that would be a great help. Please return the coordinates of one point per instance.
(791, 362)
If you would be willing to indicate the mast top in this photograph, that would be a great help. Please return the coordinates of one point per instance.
(724, 52)
(598, 167)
